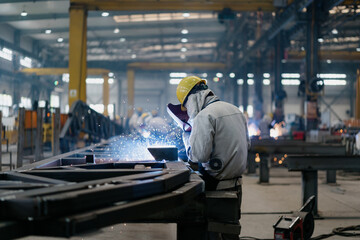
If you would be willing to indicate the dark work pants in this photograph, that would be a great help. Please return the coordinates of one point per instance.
(220, 236)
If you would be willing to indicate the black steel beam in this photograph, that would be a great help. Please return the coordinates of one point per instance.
(321, 162)
(269, 146)
(125, 212)
(16, 176)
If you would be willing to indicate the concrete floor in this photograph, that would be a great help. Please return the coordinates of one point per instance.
(262, 205)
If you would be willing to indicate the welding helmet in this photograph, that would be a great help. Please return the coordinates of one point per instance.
(185, 86)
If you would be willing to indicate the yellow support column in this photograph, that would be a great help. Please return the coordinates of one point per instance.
(357, 104)
(131, 91)
(106, 94)
(77, 54)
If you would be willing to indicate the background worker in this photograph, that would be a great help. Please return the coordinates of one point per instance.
(218, 141)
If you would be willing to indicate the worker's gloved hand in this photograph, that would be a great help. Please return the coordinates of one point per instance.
(186, 140)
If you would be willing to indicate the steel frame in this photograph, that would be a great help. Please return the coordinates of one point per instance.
(87, 189)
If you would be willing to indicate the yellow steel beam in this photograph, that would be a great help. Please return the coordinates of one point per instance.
(77, 54)
(357, 104)
(177, 66)
(131, 91)
(60, 71)
(331, 55)
(106, 93)
(163, 66)
(175, 5)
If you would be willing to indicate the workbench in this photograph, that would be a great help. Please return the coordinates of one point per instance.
(309, 165)
(268, 147)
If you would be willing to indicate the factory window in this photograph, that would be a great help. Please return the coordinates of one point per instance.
(67, 108)
(25, 102)
(5, 100)
(65, 77)
(26, 62)
(98, 107)
(6, 53)
(42, 103)
(152, 17)
(250, 110)
(5, 111)
(5, 104)
(54, 101)
(94, 80)
(110, 108)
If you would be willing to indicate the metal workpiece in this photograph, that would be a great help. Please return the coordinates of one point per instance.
(90, 188)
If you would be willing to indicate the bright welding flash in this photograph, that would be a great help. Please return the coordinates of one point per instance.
(146, 134)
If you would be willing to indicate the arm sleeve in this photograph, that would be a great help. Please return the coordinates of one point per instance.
(201, 139)
(247, 132)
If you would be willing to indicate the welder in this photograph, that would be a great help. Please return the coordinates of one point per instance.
(218, 140)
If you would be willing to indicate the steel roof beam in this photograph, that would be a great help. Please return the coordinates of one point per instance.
(153, 35)
(131, 25)
(287, 16)
(181, 5)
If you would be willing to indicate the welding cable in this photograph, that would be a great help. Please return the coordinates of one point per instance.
(254, 238)
(341, 231)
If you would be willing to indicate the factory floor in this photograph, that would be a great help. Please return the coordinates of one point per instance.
(339, 206)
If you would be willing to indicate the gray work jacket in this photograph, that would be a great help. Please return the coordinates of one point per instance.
(219, 131)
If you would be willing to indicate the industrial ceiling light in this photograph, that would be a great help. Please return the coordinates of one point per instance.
(122, 39)
(116, 30)
(232, 75)
(302, 49)
(216, 79)
(183, 49)
(320, 40)
(184, 31)
(219, 75)
(334, 31)
(204, 75)
(250, 75)
(111, 74)
(186, 15)
(23, 13)
(182, 56)
(266, 75)
(47, 31)
(133, 56)
(184, 40)
(358, 49)
(328, 61)
(60, 39)
(105, 14)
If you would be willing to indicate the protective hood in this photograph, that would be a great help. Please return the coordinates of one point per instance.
(198, 101)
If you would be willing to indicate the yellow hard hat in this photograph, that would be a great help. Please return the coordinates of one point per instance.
(185, 86)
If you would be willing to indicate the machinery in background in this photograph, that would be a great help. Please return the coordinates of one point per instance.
(85, 126)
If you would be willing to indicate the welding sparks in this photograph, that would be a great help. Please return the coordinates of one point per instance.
(253, 130)
(278, 130)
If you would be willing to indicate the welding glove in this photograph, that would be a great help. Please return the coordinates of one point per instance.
(180, 117)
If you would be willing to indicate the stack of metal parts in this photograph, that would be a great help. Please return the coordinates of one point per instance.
(88, 189)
